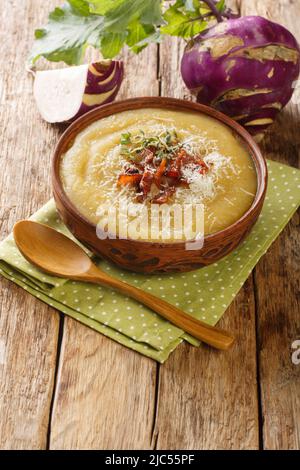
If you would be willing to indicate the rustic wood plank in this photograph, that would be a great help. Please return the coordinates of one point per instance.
(208, 399)
(277, 276)
(28, 328)
(205, 400)
(105, 396)
(277, 284)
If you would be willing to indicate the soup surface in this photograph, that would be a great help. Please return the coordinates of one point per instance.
(153, 158)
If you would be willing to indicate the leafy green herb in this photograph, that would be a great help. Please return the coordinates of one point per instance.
(109, 25)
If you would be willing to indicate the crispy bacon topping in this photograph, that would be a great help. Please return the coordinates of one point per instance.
(146, 181)
(160, 172)
(157, 161)
(163, 196)
(129, 179)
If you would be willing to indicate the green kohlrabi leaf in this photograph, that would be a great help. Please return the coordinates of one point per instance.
(190, 5)
(137, 32)
(150, 38)
(221, 5)
(120, 14)
(108, 25)
(112, 43)
(102, 7)
(67, 34)
(182, 22)
(80, 7)
(187, 18)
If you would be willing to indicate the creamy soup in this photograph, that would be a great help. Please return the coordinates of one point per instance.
(153, 158)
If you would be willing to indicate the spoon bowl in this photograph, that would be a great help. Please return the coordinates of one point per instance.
(50, 250)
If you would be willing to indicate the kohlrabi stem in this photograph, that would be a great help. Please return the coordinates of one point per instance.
(215, 11)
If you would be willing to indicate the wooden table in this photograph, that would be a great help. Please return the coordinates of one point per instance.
(64, 386)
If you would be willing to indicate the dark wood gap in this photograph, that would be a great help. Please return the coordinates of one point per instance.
(258, 364)
(58, 354)
(154, 432)
(155, 440)
(158, 71)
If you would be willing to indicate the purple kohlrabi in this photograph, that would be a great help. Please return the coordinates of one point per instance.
(245, 67)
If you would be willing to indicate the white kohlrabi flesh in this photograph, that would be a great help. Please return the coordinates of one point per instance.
(246, 67)
(65, 94)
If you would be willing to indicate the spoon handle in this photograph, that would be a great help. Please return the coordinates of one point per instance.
(208, 334)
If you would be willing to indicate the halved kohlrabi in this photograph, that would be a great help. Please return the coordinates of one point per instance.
(65, 94)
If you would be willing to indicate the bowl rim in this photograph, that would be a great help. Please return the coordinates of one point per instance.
(116, 107)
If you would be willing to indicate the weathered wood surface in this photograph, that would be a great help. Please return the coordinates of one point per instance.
(106, 396)
(277, 276)
(28, 329)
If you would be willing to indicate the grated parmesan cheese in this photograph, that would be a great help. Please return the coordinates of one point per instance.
(205, 185)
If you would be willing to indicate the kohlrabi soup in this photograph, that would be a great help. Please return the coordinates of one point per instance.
(153, 160)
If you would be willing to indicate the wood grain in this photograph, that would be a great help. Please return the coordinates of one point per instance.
(277, 276)
(28, 328)
(105, 396)
(207, 399)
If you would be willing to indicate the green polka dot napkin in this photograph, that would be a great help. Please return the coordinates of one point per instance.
(205, 293)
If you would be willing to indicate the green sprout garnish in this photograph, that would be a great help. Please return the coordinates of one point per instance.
(126, 138)
(166, 144)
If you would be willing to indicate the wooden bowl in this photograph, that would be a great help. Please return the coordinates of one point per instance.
(146, 256)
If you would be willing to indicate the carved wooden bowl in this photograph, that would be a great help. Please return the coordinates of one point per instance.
(146, 256)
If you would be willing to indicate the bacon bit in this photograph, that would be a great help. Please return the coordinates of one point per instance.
(147, 155)
(183, 158)
(178, 162)
(129, 179)
(183, 184)
(152, 149)
(131, 169)
(203, 167)
(139, 197)
(146, 181)
(160, 171)
(163, 197)
(173, 173)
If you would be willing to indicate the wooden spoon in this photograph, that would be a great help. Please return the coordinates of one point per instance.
(56, 254)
